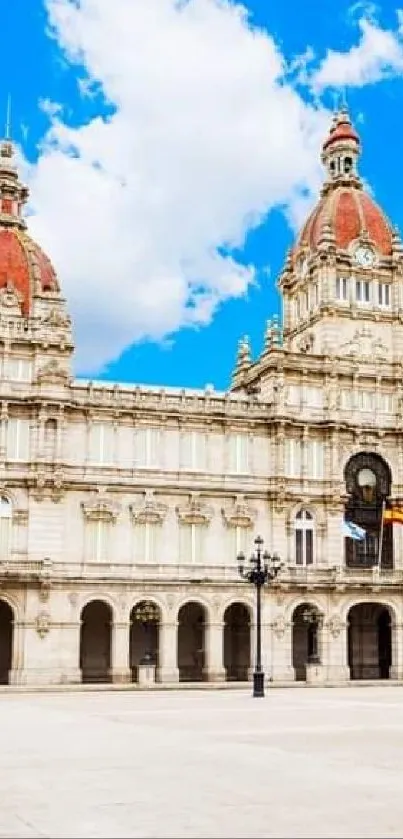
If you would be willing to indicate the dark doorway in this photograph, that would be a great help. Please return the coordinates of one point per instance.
(237, 643)
(95, 642)
(369, 641)
(145, 621)
(305, 639)
(191, 642)
(6, 641)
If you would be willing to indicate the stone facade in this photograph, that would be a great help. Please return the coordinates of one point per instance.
(122, 509)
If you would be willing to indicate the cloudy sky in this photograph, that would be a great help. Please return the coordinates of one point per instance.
(172, 152)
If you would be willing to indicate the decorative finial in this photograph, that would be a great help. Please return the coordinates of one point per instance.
(243, 361)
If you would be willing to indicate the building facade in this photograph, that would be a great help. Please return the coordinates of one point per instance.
(122, 509)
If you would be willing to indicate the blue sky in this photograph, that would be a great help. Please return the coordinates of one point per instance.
(41, 64)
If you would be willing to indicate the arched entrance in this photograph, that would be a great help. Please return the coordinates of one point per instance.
(95, 642)
(145, 619)
(6, 641)
(237, 642)
(369, 641)
(306, 623)
(191, 642)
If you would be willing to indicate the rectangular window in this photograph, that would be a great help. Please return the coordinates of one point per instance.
(309, 547)
(346, 400)
(293, 459)
(362, 291)
(191, 544)
(386, 403)
(384, 294)
(294, 395)
(341, 288)
(239, 453)
(241, 541)
(17, 439)
(97, 539)
(366, 401)
(315, 458)
(146, 542)
(5, 532)
(18, 369)
(299, 554)
(100, 444)
(193, 450)
(314, 397)
(148, 447)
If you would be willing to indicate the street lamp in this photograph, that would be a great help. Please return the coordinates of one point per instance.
(264, 568)
(314, 621)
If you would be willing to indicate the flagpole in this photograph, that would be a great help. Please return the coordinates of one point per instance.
(381, 535)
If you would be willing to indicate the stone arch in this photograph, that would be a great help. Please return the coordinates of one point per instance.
(192, 619)
(368, 482)
(206, 605)
(95, 595)
(96, 641)
(237, 621)
(7, 620)
(144, 641)
(306, 625)
(316, 511)
(371, 630)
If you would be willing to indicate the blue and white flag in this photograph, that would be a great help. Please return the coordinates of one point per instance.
(353, 531)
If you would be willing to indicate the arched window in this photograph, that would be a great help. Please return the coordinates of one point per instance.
(5, 527)
(304, 538)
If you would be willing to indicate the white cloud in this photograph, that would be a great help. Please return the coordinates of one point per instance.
(205, 138)
(378, 54)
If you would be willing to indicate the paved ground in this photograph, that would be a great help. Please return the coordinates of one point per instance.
(303, 763)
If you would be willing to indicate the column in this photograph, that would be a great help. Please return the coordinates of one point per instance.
(280, 667)
(16, 675)
(333, 649)
(396, 670)
(214, 666)
(168, 652)
(120, 652)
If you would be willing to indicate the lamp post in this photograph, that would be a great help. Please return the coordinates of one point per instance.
(264, 568)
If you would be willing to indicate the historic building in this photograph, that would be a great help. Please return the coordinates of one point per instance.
(122, 509)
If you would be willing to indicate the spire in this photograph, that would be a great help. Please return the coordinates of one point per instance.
(243, 361)
(13, 194)
(341, 150)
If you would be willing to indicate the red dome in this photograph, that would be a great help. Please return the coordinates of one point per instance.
(23, 264)
(350, 213)
(342, 130)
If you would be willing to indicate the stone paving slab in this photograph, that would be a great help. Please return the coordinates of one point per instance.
(301, 763)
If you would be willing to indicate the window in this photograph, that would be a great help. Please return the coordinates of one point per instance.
(314, 397)
(50, 436)
(315, 458)
(17, 439)
(97, 539)
(346, 399)
(386, 403)
(192, 543)
(100, 448)
(362, 291)
(193, 450)
(5, 527)
(342, 288)
(294, 395)
(366, 400)
(18, 369)
(304, 538)
(384, 294)
(148, 447)
(293, 459)
(240, 540)
(239, 453)
(146, 538)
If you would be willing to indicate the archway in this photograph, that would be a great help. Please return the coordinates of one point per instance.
(191, 642)
(6, 641)
(95, 642)
(306, 622)
(145, 619)
(369, 641)
(237, 642)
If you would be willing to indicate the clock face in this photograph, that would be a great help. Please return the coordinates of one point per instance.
(364, 256)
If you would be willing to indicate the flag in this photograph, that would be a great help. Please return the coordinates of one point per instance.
(353, 531)
(393, 516)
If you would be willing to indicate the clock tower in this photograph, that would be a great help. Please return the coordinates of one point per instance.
(342, 284)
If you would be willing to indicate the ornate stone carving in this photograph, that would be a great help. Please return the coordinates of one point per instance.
(335, 625)
(241, 514)
(11, 299)
(100, 507)
(196, 511)
(52, 373)
(364, 345)
(150, 510)
(57, 319)
(42, 623)
(20, 516)
(280, 626)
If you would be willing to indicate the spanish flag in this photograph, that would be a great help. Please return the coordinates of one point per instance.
(393, 516)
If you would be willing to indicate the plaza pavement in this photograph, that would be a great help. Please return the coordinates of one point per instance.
(303, 763)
